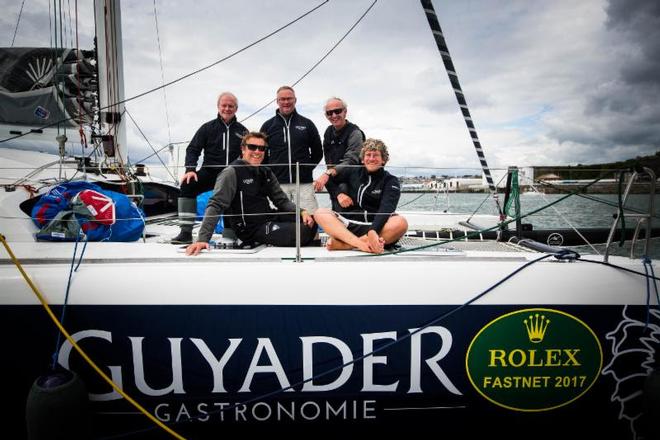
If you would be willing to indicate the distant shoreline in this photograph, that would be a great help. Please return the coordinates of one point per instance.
(563, 188)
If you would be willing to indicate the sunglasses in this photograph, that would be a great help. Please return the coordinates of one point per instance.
(254, 147)
(336, 111)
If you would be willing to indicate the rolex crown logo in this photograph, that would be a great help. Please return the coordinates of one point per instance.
(536, 326)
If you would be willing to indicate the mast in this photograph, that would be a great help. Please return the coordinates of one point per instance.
(460, 97)
(111, 79)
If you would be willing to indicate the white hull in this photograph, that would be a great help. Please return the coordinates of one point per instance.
(154, 319)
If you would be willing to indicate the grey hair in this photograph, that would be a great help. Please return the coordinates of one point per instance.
(230, 94)
(334, 98)
(375, 145)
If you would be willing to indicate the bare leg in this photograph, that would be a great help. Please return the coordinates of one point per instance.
(334, 244)
(374, 245)
(394, 229)
(339, 233)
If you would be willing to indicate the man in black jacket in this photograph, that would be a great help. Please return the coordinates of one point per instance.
(292, 139)
(220, 140)
(368, 196)
(342, 142)
(243, 190)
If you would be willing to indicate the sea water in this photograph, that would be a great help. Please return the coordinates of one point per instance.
(543, 211)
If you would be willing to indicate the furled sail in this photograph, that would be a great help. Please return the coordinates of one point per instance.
(42, 86)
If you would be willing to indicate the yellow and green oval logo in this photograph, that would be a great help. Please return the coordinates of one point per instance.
(534, 360)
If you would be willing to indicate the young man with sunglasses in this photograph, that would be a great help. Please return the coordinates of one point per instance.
(220, 140)
(342, 142)
(243, 191)
(293, 138)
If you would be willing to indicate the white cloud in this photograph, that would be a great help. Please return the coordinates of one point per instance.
(547, 82)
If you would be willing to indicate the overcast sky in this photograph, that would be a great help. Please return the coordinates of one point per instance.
(547, 82)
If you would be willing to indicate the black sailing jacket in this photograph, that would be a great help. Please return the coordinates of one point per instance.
(292, 140)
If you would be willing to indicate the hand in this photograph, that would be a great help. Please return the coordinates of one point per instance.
(320, 183)
(189, 175)
(196, 248)
(344, 200)
(307, 219)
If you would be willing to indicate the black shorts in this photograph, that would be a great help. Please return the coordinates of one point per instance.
(357, 228)
(283, 233)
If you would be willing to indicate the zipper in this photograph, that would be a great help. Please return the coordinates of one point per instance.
(227, 147)
(287, 138)
(361, 192)
(243, 210)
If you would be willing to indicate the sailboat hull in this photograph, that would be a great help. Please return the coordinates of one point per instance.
(215, 347)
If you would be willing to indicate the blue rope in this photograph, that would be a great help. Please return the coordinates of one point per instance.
(655, 285)
(648, 266)
(559, 255)
(56, 353)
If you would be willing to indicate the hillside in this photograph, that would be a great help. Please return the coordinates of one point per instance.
(597, 170)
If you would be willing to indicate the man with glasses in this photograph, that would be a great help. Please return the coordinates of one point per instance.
(243, 191)
(220, 140)
(292, 139)
(342, 142)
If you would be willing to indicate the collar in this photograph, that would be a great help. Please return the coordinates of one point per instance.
(294, 112)
(231, 121)
(378, 173)
(341, 130)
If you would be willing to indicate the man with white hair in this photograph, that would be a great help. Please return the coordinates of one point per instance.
(220, 141)
(342, 142)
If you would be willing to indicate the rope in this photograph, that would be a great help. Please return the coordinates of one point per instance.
(66, 296)
(649, 267)
(318, 62)
(360, 358)
(80, 351)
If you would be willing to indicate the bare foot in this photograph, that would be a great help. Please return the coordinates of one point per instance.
(337, 245)
(376, 243)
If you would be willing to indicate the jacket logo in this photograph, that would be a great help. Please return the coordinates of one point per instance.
(300, 127)
(376, 191)
(248, 181)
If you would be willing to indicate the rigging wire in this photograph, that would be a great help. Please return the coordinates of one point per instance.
(231, 55)
(484, 200)
(558, 212)
(70, 30)
(162, 80)
(188, 75)
(150, 145)
(319, 61)
(18, 21)
(473, 234)
(161, 149)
